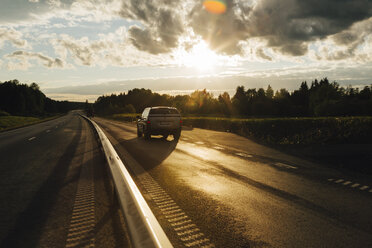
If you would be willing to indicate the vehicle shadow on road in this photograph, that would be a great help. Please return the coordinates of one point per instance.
(152, 152)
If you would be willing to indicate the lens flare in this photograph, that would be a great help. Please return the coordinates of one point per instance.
(215, 7)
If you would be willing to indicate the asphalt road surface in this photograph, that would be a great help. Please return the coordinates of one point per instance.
(55, 189)
(219, 189)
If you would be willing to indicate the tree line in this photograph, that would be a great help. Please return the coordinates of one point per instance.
(28, 100)
(322, 98)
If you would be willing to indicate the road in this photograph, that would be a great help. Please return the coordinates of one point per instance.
(216, 188)
(54, 188)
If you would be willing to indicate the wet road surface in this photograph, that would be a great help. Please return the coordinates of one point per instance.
(216, 188)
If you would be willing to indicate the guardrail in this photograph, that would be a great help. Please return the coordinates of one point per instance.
(144, 229)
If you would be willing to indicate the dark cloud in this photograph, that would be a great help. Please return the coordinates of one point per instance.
(348, 41)
(161, 22)
(286, 25)
(144, 40)
(45, 60)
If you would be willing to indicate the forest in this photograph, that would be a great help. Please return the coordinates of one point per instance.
(321, 98)
(27, 100)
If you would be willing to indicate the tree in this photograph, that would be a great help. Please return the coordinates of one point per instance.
(269, 92)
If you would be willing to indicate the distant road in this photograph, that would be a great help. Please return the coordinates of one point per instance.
(43, 202)
(222, 189)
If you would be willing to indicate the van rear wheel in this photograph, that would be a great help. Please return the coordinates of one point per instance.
(177, 135)
(147, 135)
(139, 133)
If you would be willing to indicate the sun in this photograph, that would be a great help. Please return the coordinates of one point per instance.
(199, 57)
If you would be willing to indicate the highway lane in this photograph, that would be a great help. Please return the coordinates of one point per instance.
(233, 192)
(41, 170)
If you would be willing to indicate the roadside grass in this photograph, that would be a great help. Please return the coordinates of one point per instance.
(285, 131)
(11, 122)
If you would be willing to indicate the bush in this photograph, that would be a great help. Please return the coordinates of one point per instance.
(293, 130)
(3, 113)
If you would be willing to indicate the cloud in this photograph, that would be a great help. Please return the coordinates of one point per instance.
(12, 36)
(29, 12)
(112, 49)
(260, 53)
(354, 43)
(162, 24)
(287, 26)
(23, 59)
(284, 29)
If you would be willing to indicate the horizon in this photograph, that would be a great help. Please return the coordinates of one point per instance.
(77, 50)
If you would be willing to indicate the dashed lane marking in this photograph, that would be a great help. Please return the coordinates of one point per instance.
(218, 148)
(244, 155)
(187, 232)
(364, 187)
(48, 131)
(286, 166)
(32, 138)
(353, 185)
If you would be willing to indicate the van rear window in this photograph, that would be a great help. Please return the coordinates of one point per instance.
(163, 111)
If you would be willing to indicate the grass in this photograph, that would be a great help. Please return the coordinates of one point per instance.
(11, 122)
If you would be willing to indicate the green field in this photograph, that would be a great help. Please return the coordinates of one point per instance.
(284, 131)
(10, 122)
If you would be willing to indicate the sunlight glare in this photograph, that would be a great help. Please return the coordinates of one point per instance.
(200, 57)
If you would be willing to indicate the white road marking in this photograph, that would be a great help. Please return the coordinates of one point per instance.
(244, 155)
(286, 166)
(218, 148)
(188, 233)
(184, 227)
(354, 185)
(48, 131)
(197, 242)
(181, 223)
(199, 143)
(191, 237)
(32, 138)
(364, 187)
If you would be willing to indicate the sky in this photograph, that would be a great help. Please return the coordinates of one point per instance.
(82, 49)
